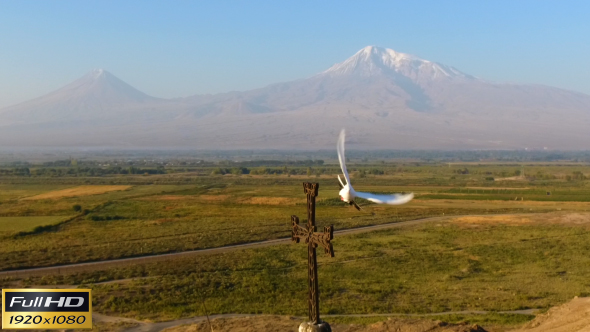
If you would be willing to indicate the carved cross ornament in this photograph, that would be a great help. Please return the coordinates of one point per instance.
(313, 240)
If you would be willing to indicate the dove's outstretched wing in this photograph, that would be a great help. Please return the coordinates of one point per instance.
(341, 157)
(394, 199)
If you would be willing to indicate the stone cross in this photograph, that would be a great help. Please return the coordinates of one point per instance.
(313, 240)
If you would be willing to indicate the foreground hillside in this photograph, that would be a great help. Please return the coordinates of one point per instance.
(573, 316)
(290, 324)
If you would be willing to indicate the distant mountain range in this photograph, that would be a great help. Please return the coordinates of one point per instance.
(385, 99)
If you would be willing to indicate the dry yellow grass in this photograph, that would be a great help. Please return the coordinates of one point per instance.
(272, 201)
(512, 178)
(506, 219)
(562, 218)
(214, 198)
(498, 188)
(166, 198)
(77, 191)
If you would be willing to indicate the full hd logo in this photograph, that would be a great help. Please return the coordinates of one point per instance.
(46, 309)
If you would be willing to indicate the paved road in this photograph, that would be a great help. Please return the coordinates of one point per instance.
(79, 267)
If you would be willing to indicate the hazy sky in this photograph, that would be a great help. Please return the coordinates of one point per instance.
(180, 48)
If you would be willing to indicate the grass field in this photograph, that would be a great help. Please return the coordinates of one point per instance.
(13, 225)
(451, 266)
(136, 215)
(139, 224)
(515, 244)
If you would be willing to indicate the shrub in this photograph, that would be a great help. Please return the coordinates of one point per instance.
(105, 218)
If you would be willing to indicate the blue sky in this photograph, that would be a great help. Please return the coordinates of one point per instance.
(180, 48)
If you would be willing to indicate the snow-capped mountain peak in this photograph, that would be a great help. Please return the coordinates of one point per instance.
(386, 55)
(374, 60)
(97, 73)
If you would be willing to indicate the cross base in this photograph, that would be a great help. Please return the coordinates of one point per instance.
(311, 327)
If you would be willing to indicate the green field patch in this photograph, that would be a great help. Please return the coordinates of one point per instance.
(11, 225)
(12, 192)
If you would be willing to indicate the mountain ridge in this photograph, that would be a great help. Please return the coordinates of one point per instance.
(387, 99)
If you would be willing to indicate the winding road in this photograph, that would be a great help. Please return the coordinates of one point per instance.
(90, 266)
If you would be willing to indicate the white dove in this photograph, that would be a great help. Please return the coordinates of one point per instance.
(348, 194)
